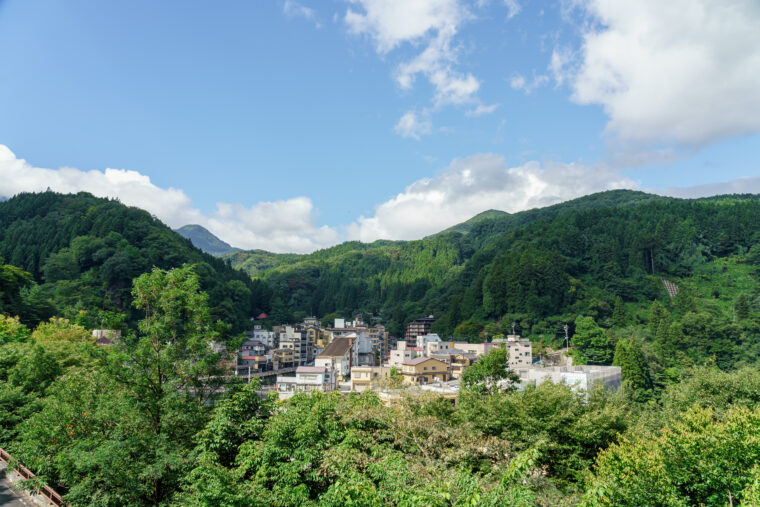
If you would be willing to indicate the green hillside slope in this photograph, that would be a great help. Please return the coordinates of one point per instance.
(83, 253)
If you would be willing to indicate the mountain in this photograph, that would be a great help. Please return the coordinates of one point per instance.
(201, 238)
(540, 268)
(465, 227)
(83, 252)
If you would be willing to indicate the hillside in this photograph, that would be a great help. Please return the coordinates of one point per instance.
(82, 253)
(202, 238)
(542, 268)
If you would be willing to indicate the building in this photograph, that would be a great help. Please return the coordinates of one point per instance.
(283, 358)
(252, 347)
(424, 370)
(400, 354)
(294, 339)
(418, 327)
(479, 349)
(306, 379)
(340, 356)
(380, 341)
(423, 339)
(262, 335)
(363, 376)
(581, 377)
(520, 351)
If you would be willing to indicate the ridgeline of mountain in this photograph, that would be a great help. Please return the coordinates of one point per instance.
(466, 226)
(202, 238)
(82, 253)
(541, 267)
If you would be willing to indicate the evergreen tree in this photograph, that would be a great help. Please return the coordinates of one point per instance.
(635, 373)
(591, 342)
(741, 307)
(619, 315)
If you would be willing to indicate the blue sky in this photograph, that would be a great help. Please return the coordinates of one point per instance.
(292, 125)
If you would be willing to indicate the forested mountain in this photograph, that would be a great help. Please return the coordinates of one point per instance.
(542, 268)
(403, 280)
(81, 253)
(202, 238)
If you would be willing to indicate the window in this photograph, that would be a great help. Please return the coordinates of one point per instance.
(424, 367)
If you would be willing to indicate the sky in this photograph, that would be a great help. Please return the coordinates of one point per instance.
(295, 125)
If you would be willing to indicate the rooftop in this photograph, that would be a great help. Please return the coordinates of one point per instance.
(420, 360)
(311, 369)
(337, 348)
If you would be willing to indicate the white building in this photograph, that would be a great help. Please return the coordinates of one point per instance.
(424, 339)
(401, 354)
(520, 350)
(264, 336)
(578, 377)
(339, 356)
(307, 378)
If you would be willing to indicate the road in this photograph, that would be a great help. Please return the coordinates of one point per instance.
(8, 497)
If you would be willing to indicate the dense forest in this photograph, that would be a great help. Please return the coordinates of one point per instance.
(76, 256)
(151, 420)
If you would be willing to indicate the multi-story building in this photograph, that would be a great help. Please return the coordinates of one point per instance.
(340, 356)
(401, 353)
(379, 339)
(520, 350)
(363, 376)
(418, 327)
(294, 339)
(283, 358)
(264, 336)
(424, 370)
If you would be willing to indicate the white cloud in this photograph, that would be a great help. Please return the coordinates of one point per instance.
(296, 10)
(683, 71)
(518, 82)
(279, 226)
(471, 185)
(513, 8)
(413, 125)
(431, 23)
(482, 110)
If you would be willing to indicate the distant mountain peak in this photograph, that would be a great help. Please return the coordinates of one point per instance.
(201, 238)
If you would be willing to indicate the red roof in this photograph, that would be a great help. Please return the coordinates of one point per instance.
(262, 316)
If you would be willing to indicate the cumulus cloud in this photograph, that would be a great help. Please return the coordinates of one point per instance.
(471, 185)
(681, 71)
(279, 226)
(413, 125)
(429, 23)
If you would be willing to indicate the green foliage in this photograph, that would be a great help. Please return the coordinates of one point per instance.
(591, 343)
(634, 368)
(59, 329)
(702, 460)
(84, 252)
(491, 370)
(12, 330)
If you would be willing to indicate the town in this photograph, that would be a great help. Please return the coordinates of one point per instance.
(354, 356)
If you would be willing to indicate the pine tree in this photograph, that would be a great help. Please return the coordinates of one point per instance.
(634, 369)
(619, 316)
(741, 307)
(591, 341)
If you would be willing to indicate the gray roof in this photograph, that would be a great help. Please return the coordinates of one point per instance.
(337, 348)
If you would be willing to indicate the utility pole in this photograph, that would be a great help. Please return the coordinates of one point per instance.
(567, 339)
